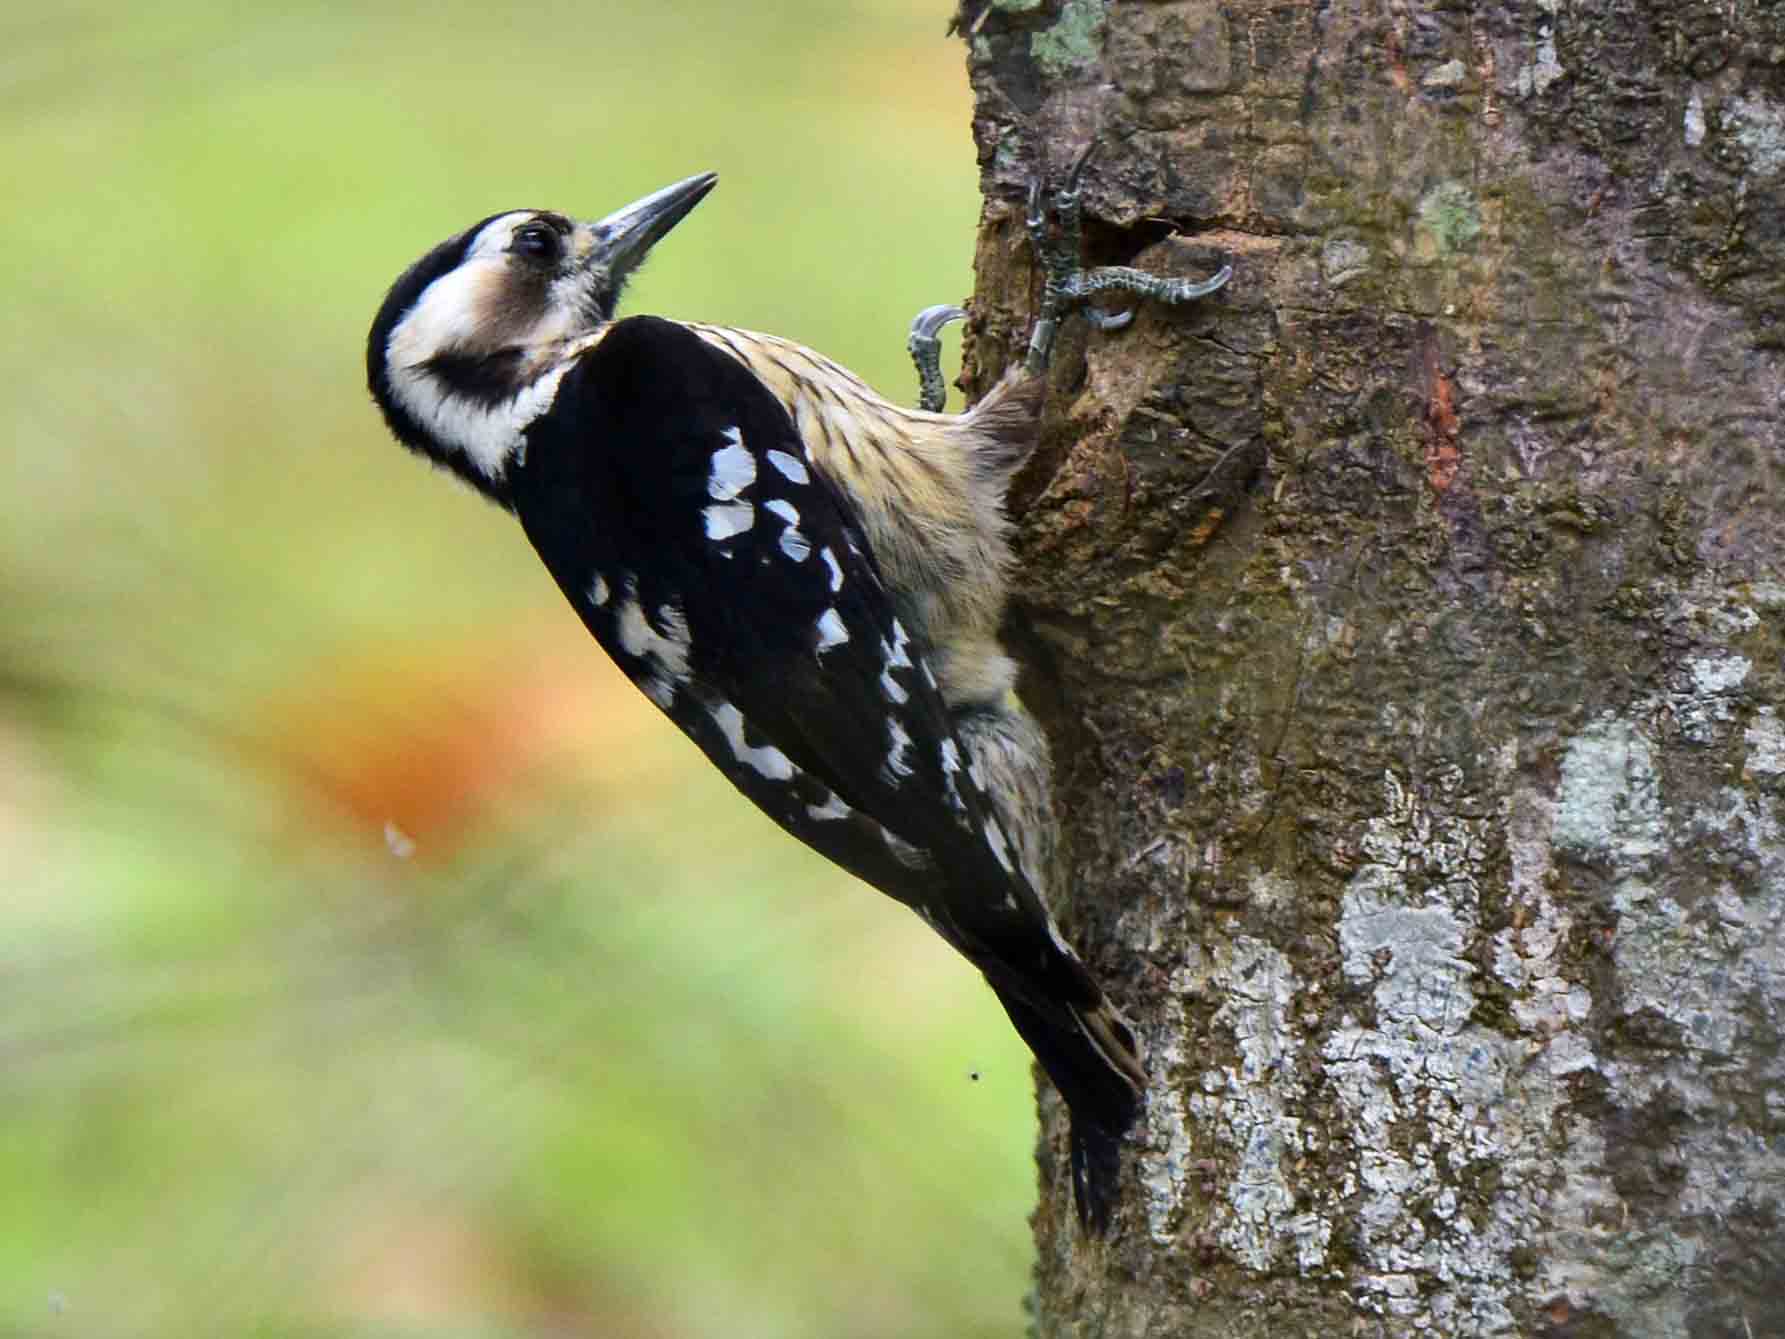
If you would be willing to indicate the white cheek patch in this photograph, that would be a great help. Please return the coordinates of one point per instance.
(455, 313)
(491, 436)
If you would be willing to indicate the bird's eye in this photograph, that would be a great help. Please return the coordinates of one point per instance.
(535, 242)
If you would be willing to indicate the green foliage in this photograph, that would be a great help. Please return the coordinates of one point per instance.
(606, 1055)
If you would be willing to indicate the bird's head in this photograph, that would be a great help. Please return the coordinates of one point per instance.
(472, 340)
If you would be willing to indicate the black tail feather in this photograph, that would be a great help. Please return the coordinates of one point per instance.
(1097, 1087)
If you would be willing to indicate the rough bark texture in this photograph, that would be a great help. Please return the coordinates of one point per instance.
(1408, 623)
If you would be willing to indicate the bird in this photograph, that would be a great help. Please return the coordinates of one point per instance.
(806, 578)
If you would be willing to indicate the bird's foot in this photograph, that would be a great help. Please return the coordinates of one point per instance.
(1065, 284)
(925, 346)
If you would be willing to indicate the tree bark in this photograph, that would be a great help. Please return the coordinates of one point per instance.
(1407, 622)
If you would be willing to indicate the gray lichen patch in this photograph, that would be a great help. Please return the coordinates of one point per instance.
(1073, 42)
(1765, 740)
(1758, 125)
(1449, 219)
(1609, 805)
(1425, 1088)
(1248, 1104)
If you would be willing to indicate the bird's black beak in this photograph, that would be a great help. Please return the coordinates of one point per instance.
(622, 239)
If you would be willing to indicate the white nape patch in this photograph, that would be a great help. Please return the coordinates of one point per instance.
(765, 759)
(831, 809)
(734, 469)
(830, 561)
(668, 651)
(898, 751)
(994, 838)
(894, 690)
(792, 467)
(726, 519)
(831, 631)
(598, 591)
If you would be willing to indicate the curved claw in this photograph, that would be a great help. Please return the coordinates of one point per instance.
(925, 349)
(1107, 321)
(1189, 292)
(928, 323)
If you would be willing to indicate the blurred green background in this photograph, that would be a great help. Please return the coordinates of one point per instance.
(604, 1054)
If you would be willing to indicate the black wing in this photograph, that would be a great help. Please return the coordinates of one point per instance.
(670, 495)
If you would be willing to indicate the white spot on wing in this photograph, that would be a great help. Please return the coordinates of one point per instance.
(831, 631)
(905, 853)
(791, 467)
(898, 751)
(734, 470)
(831, 809)
(896, 653)
(994, 838)
(765, 759)
(666, 651)
(894, 690)
(951, 767)
(725, 519)
(830, 561)
(598, 591)
(793, 543)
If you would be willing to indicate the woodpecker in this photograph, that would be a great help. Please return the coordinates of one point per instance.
(806, 578)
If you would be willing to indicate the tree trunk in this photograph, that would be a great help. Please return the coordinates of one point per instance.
(1407, 621)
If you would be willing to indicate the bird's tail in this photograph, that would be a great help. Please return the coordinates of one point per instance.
(1088, 1052)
